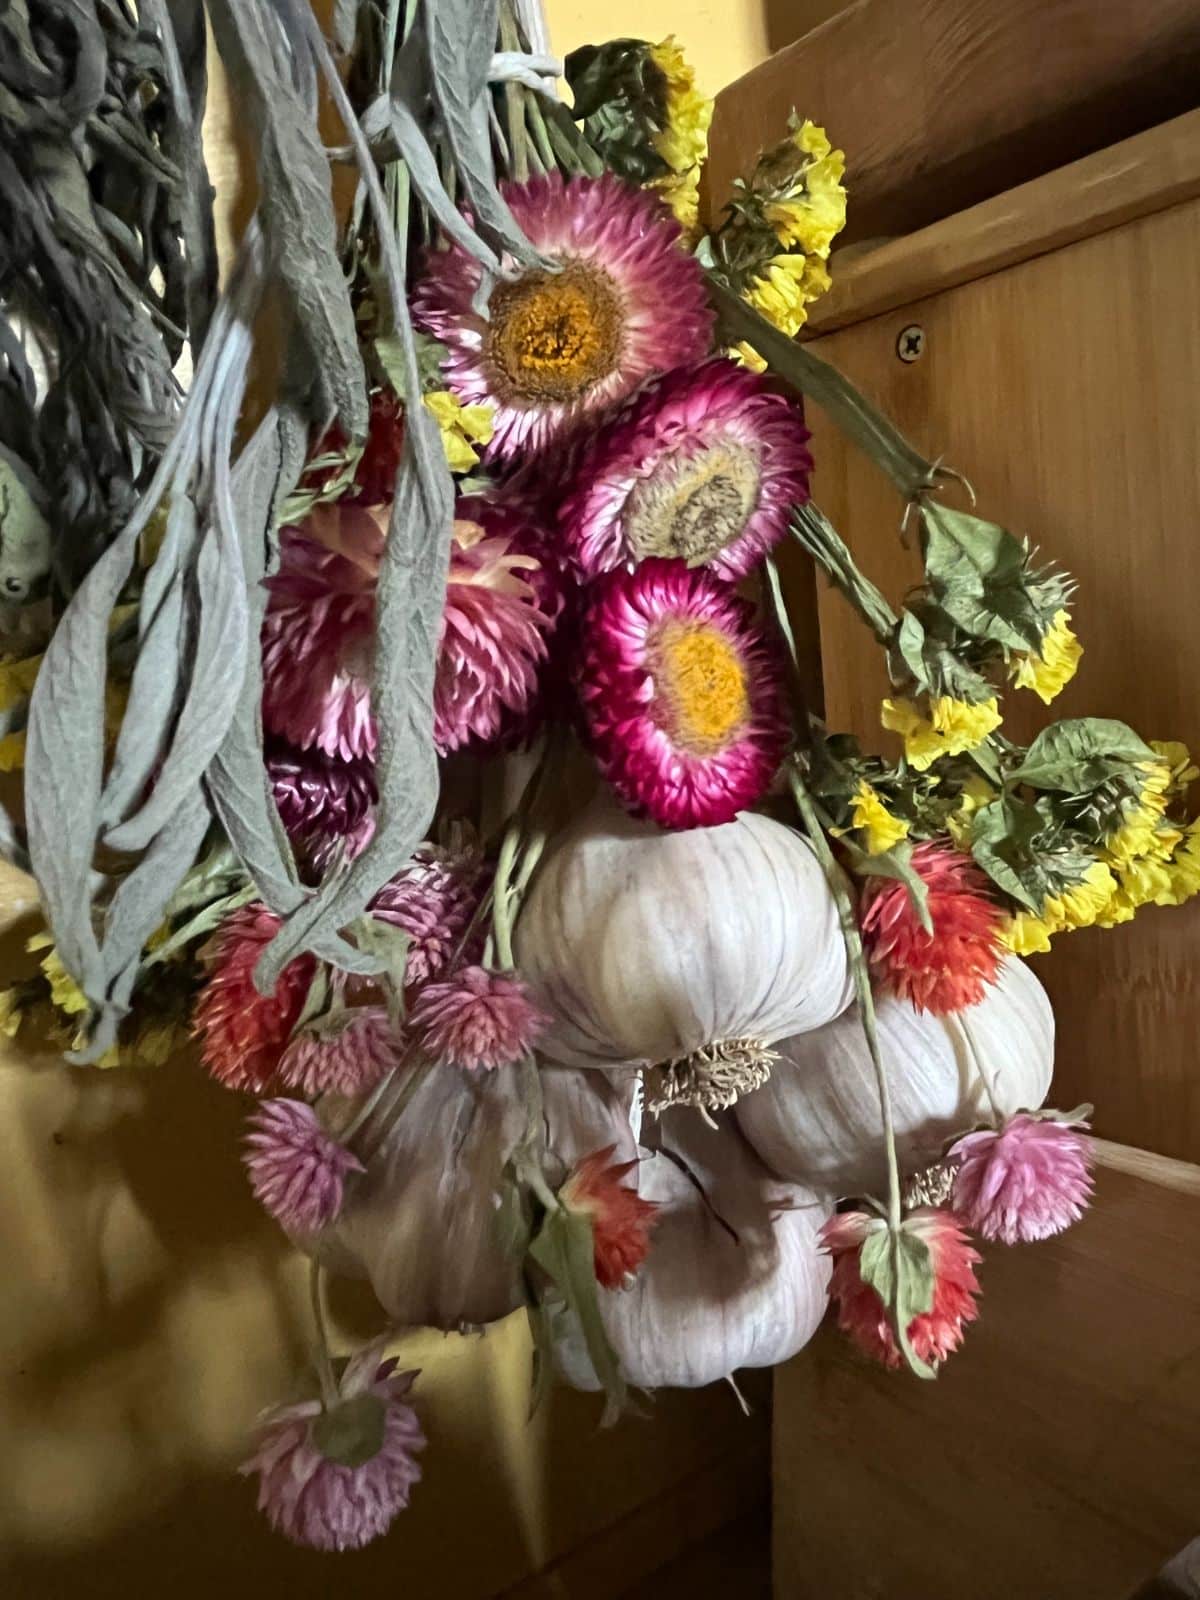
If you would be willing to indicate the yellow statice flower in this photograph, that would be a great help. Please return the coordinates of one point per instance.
(12, 751)
(1023, 934)
(1178, 761)
(812, 215)
(952, 727)
(1143, 882)
(1079, 905)
(1184, 865)
(1052, 667)
(1144, 832)
(17, 678)
(977, 792)
(461, 427)
(882, 829)
(783, 295)
(683, 140)
(65, 993)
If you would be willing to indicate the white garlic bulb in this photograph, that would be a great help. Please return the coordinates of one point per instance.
(423, 1222)
(817, 1121)
(701, 947)
(733, 1278)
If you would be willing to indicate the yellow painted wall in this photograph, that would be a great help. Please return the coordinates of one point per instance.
(148, 1310)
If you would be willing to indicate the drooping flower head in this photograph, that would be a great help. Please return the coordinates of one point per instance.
(558, 346)
(704, 465)
(1027, 1180)
(433, 898)
(682, 695)
(1048, 671)
(336, 1478)
(946, 969)
(243, 1033)
(343, 1052)
(297, 1171)
(501, 601)
(322, 800)
(476, 1019)
(933, 1334)
(318, 635)
(951, 728)
(318, 631)
(621, 1219)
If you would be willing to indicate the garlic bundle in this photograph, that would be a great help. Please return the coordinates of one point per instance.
(690, 952)
(734, 1277)
(818, 1120)
(422, 1223)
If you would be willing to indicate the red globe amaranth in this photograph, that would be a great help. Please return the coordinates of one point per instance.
(244, 1033)
(934, 1334)
(949, 968)
(621, 1219)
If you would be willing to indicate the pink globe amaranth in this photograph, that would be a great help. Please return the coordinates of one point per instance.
(683, 697)
(297, 1170)
(951, 968)
(433, 898)
(705, 465)
(342, 1054)
(556, 348)
(324, 1503)
(1027, 1180)
(862, 1316)
(476, 1019)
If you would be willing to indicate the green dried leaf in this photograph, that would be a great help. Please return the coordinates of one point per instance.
(200, 925)
(565, 1251)
(389, 946)
(1004, 841)
(899, 1267)
(1081, 754)
(896, 864)
(978, 573)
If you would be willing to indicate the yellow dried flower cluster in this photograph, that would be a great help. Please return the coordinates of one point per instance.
(1049, 670)
(882, 829)
(951, 728)
(462, 428)
(682, 142)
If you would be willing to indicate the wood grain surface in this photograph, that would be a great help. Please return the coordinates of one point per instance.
(939, 103)
(1055, 1458)
(1065, 387)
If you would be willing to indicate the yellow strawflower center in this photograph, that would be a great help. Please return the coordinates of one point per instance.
(701, 686)
(552, 336)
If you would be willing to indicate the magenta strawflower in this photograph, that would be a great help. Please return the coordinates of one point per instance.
(335, 1477)
(476, 1019)
(297, 1171)
(1028, 1180)
(682, 695)
(705, 464)
(433, 899)
(556, 347)
(325, 803)
(341, 1053)
(318, 632)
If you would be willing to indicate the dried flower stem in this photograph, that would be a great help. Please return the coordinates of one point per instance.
(329, 1388)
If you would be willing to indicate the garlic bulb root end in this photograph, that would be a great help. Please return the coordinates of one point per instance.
(711, 1079)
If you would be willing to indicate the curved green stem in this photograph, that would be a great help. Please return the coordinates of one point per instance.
(329, 1388)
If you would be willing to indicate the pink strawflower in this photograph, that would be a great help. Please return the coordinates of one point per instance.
(433, 899)
(476, 1019)
(243, 1033)
(297, 1171)
(682, 695)
(1030, 1179)
(706, 464)
(621, 1219)
(319, 629)
(555, 348)
(325, 803)
(315, 1486)
(318, 635)
(934, 1334)
(500, 603)
(950, 968)
(343, 1053)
